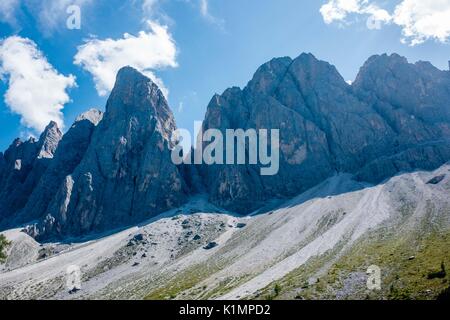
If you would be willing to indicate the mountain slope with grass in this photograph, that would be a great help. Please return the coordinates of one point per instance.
(315, 246)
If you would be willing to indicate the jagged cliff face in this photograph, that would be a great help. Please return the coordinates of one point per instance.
(68, 156)
(394, 117)
(414, 100)
(305, 157)
(419, 90)
(21, 168)
(126, 174)
(115, 169)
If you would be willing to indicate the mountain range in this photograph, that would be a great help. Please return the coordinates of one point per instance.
(362, 180)
(113, 169)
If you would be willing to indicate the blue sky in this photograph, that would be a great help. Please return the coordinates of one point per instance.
(217, 43)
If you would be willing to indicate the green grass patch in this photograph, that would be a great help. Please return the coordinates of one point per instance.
(412, 267)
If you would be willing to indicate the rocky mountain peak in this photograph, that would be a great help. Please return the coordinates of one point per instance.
(23, 165)
(135, 99)
(17, 142)
(132, 90)
(421, 90)
(305, 72)
(128, 74)
(71, 149)
(48, 141)
(92, 115)
(268, 75)
(128, 154)
(311, 72)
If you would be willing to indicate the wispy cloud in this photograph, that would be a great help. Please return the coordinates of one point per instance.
(149, 5)
(36, 90)
(148, 51)
(420, 20)
(154, 10)
(8, 11)
(180, 107)
(51, 15)
(205, 12)
(150, 8)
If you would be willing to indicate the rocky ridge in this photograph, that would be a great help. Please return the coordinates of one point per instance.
(114, 169)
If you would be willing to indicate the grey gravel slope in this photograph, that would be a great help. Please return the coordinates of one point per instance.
(253, 253)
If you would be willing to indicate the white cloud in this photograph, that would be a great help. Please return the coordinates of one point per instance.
(339, 10)
(148, 51)
(36, 90)
(423, 19)
(420, 20)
